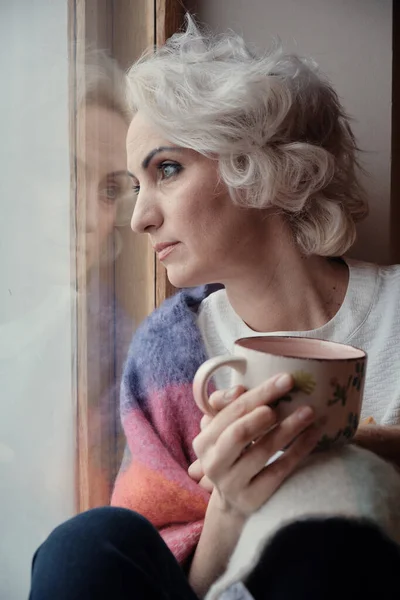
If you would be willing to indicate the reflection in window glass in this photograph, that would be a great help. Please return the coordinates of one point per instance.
(66, 315)
(103, 203)
(37, 441)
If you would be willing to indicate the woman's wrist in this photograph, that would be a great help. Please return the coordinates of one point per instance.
(221, 532)
(224, 512)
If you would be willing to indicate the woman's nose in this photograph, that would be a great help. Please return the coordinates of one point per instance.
(91, 208)
(146, 215)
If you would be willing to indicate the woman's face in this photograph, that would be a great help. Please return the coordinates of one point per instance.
(199, 234)
(102, 161)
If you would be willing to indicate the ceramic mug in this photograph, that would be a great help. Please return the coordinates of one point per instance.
(327, 376)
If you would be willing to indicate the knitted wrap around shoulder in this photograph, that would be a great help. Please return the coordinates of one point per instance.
(160, 420)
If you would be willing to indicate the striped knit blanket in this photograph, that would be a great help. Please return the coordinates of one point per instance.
(160, 420)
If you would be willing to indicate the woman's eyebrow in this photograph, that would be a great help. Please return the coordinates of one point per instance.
(119, 173)
(151, 154)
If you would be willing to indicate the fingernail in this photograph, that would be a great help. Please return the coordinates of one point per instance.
(284, 382)
(305, 413)
(231, 392)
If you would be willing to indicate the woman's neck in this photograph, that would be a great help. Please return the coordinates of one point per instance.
(290, 293)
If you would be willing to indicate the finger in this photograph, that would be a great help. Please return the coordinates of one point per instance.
(206, 484)
(219, 400)
(272, 476)
(283, 435)
(195, 470)
(220, 458)
(222, 398)
(205, 420)
(267, 392)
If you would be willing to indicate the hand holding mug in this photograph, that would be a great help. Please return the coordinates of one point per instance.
(237, 443)
(327, 376)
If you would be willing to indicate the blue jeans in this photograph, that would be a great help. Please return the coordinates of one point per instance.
(115, 554)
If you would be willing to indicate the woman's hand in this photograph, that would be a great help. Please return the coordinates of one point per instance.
(196, 472)
(234, 446)
(383, 440)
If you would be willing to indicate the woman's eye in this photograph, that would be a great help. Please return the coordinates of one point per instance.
(110, 193)
(166, 170)
(169, 169)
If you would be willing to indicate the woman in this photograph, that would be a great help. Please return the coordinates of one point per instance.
(245, 173)
(105, 203)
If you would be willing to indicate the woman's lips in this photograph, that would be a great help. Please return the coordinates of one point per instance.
(164, 250)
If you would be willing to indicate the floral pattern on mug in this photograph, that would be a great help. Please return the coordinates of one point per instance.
(343, 435)
(303, 382)
(359, 375)
(340, 391)
(351, 427)
(285, 398)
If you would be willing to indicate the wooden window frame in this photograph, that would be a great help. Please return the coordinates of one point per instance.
(395, 166)
(125, 29)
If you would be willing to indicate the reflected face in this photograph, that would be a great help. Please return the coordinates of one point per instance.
(101, 162)
(199, 234)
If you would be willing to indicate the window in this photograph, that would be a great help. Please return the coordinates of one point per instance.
(116, 291)
(75, 280)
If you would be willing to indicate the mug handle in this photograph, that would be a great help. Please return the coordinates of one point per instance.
(204, 374)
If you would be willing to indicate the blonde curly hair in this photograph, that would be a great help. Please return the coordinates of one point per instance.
(274, 122)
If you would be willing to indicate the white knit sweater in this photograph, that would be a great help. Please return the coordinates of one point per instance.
(369, 318)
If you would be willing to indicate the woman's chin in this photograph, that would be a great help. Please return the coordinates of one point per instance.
(182, 278)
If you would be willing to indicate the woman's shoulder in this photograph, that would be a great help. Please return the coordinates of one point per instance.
(382, 278)
(168, 346)
(375, 293)
(176, 315)
(387, 281)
